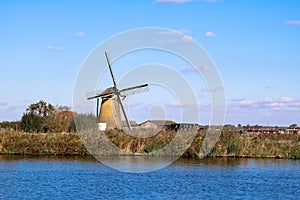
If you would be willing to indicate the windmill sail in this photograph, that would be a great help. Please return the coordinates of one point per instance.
(110, 70)
(134, 90)
(108, 94)
(100, 94)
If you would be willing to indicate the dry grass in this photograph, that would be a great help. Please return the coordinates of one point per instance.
(230, 144)
(41, 144)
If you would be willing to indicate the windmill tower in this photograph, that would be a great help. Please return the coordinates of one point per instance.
(112, 97)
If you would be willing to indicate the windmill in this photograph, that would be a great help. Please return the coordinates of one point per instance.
(112, 100)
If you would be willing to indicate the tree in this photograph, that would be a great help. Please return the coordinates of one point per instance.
(31, 123)
(41, 109)
(44, 117)
(62, 108)
(34, 120)
(4, 124)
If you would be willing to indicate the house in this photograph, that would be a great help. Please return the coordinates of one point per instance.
(269, 130)
(183, 126)
(292, 131)
(156, 124)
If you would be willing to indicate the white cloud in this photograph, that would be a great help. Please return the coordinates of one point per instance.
(183, 39)
(53, 48)
(268, 99)
(286, 99)
(174, 32)
(284, 103)
(236, 99)
(186, 38)
(176, 36)
(210, 34)
(79, 34)
(192, 69)
(292, 22)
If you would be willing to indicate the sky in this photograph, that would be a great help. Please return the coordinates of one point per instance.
(254, 44)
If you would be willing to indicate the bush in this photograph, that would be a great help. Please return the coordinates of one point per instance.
(31, 123)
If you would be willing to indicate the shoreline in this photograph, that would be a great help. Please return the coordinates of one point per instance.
(229, 145)
(139, 155)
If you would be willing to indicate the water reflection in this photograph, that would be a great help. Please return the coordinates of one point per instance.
(136, 164)
(46, 158)
(214, 162)
(142, 163)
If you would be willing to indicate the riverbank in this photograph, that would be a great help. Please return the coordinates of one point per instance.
(41, 144)
(230, 144)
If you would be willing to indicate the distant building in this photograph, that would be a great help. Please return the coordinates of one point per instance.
(292, 131)
(183, 126)
(156, 124)
(269, 130)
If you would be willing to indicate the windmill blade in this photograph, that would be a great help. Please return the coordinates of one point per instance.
(143, 86)
(110, 70)
(123, 110)
(104, 93)
(97, 112)
(98, 95)
(134, 90)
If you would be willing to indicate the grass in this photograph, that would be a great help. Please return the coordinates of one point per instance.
(230, 144)
(41, 144)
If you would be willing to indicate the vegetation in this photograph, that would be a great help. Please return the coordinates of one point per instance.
(41, 144)
(13, 126)
(48, 129)
(44, 117)
(263, 145)
(230, 144)
(31, 123)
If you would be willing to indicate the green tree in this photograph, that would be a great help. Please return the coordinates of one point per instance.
(49, 118)
(34, 120)
(31, 123)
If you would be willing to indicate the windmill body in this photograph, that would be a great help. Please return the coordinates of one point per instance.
(110, 116)
(111, 102)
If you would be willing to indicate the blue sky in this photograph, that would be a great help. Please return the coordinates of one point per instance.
(254, 44)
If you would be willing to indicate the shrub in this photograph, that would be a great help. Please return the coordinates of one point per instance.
(31, 123)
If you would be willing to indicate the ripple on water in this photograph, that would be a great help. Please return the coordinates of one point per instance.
(84, 178)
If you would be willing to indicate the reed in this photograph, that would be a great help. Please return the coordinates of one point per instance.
(230, 144)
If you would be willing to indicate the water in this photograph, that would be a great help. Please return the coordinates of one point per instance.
(84, 178)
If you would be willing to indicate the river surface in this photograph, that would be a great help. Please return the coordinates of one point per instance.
(85, 178)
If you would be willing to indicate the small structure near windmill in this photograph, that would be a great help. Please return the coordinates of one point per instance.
(156, 124)
(112, 97)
